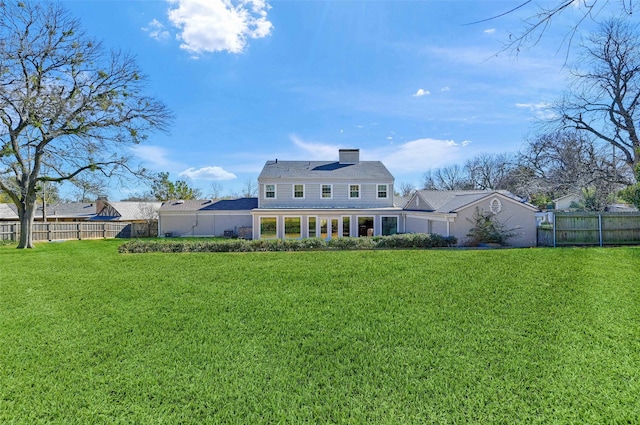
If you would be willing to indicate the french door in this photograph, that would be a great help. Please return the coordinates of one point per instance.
(329, 227)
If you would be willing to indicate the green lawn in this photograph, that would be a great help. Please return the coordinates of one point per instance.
(530, 336)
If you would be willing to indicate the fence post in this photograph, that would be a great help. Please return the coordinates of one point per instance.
(600, 228)
(554, 229)
(79, 230)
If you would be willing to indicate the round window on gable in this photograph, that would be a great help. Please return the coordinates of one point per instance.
(495, 205)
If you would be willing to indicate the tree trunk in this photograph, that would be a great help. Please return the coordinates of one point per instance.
(26, 214)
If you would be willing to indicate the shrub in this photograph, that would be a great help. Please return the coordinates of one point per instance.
(488, 229)
(414, 240)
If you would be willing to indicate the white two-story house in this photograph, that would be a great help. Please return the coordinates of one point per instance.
(326, 199)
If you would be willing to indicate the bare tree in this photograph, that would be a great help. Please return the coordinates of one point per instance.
(66, 105)
(215, 189)
(569, 162)
(535, 26)
(406, 189)
(452, 177)
(250, 188)
(604, 100)
(489, 171)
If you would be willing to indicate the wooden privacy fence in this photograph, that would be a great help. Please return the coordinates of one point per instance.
(49, 231)
(607, 228)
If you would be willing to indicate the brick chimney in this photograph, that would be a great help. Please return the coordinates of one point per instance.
(349, 156)
(101, 202)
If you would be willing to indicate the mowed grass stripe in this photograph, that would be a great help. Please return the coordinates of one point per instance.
(444, 336)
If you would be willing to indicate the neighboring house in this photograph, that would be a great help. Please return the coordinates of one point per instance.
(8, 212)
(68, 211)
(567, 202)
(325, 199)
(450, 213)
(226, 217)
(126, 211)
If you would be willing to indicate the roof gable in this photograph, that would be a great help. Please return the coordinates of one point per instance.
(450, 201)
(127, 211)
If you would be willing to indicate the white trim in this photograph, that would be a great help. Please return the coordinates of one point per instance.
(293, 191)
(498, 205)
(382, 217)
(317, 231)
(275, 191)
(349, 191)
(260, 226)
(342, 217)
(284, 226)
(386, 191)
(322, 191)
(372, 217)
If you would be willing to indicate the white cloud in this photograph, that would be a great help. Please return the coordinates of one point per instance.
(156, 30)
(414, 156)
(541, 110)
(421, 92)
(314, 150)
(445, 89)
(208, 173)
(155, 156)
(534, 106)
(419, 155)
(490, 31)
(219, 25)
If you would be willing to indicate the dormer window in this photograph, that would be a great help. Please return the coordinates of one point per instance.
(270, 191)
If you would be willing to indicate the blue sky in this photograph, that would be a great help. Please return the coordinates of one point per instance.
(407, 82)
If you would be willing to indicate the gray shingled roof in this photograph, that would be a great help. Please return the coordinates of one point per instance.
(8, 212)
(445, 201)
(129, 211)
(240, 204)
(325, 170)
(73, 210)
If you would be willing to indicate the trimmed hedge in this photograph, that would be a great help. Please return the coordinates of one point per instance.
(412, 240)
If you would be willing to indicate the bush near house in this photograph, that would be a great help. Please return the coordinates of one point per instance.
(487, 229)
(414, 240)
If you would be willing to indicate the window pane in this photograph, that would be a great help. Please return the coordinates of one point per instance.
(382, 191)
(326, 191)
(389, 225)
(323, 228)
(268, 227)
(365, 226)
(298, 191)
(292, 227)
(312, 227)
(346, 226)
(270, 191)
(354, 191)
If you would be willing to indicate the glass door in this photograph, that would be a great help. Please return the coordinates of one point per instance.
(329, 227)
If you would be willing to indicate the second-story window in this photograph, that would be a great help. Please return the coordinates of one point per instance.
(382, 190)
(270, 191)
(298, 191)
(326, 191)
(354, 191)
